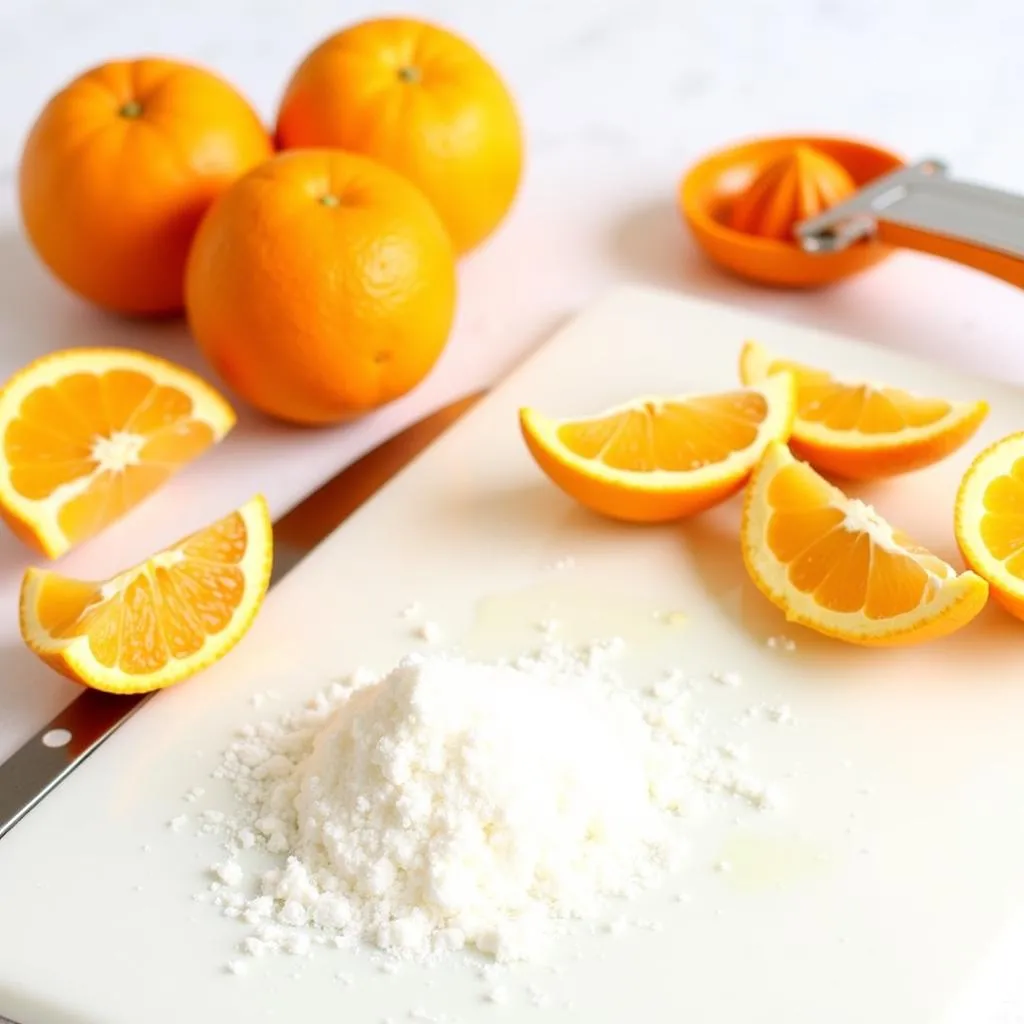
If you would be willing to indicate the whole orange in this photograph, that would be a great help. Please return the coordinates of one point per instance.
(321, 286)
(119, 169)
(422, 101)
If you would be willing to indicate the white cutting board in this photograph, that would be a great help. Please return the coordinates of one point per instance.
(876, 893)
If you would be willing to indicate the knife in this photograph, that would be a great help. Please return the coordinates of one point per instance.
(61, 746)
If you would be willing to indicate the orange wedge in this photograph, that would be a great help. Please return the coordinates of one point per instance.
(990, 520)
(859, 430)
(161, 621)
(88, 433)
(833, 564)
(657, 459)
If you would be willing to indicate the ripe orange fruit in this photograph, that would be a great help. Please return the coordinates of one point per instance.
(656, 459)
(321, 286)
(422, 101)
(989, 520)
(119, 169)
(88, 433)
(161, 621)
(859, 430)
(833, 564)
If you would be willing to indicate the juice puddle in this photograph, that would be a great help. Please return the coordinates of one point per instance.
(758, 861)
(571, 612)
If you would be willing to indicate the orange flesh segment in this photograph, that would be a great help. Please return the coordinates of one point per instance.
(166, 610)
(59, 430)
(1002, 524)
(669, 436)
(830, 556)
(866, 409)
(862, 408)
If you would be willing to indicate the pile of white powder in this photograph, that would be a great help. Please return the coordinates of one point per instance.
(453, 804)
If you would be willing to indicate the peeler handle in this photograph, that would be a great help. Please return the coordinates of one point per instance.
(920, 207)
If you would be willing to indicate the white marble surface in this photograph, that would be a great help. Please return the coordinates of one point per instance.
(618, 97)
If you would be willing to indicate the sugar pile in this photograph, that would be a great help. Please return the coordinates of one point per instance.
(453, 804)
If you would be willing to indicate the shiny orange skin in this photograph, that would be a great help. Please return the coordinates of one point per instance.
(321, 286)
(424, 102)
(119, 169)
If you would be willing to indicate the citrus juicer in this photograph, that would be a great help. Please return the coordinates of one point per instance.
(916, 206)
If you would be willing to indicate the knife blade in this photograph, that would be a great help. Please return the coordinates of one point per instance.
(37, 767)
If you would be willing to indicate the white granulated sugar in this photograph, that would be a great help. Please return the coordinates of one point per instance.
(731, 679)
(430, 632)
(230, 872)
(454, 805)
(177, 823)
(498, 994)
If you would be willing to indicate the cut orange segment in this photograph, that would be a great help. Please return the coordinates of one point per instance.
(831, 563)
(88, 433)
(990, 520)
(657, 459)
(861, 430)
(161, 621)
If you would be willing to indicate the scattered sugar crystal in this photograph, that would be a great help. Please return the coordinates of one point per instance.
(430, 632)
(194, 794)
(781, 713)
(237, 967)
(723, 867)
(177, 823)
(731, 679)
(498, 994)
(413, 610)
(563, 563)
(230, 872)
(297, 944)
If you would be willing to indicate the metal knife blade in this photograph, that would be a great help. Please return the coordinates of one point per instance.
(61, 746)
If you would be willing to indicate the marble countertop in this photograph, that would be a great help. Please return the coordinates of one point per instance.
(618, 98)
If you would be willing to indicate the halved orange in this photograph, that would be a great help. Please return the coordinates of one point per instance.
(989, 520)
(831, 563)
(656, 459)
(161, 621)
(88, 433)
(861, 430)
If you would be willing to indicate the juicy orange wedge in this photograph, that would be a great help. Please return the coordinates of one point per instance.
(161, 621)
(88, 433)
(833, 564)
(657, 459)
(859, 430)
(990, 520)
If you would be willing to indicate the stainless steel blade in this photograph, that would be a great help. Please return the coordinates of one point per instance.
(61, 746)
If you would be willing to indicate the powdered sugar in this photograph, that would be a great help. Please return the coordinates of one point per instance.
(455, 805)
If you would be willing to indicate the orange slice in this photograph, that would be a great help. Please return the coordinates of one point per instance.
(161, 621)
(88, 433)
(832, 563)
(656, 459)
(861, 430)
(990, 520)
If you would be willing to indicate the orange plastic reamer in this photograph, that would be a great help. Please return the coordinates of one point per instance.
(895, 205)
